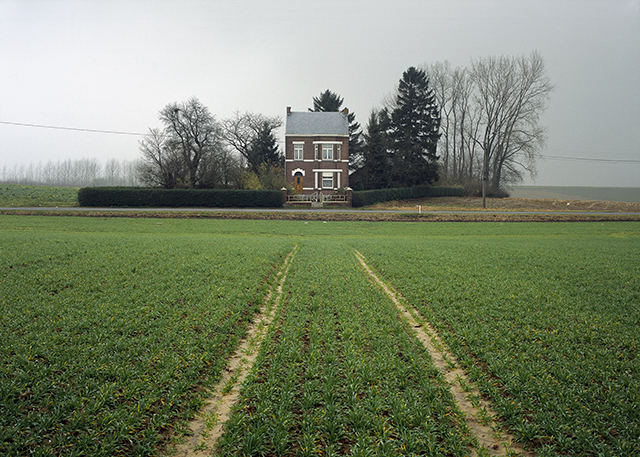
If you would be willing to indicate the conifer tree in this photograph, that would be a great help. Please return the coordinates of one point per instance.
(264, 149)
(375, 155)
(415, 121)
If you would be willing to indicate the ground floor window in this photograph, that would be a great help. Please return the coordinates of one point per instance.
(327, 180)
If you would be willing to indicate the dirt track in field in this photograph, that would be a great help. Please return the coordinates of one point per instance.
(479, 416)
(207, 427)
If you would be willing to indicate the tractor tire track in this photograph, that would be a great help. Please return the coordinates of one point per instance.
(479, 413)
(208, 426)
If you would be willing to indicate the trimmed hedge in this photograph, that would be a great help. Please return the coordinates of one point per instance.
(371, 197)
(178, 198)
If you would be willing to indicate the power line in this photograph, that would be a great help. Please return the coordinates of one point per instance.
(115, 132)
(76, 129)
(588, 159)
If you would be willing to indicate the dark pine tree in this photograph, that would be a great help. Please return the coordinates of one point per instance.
(415, 122)
(264, 149)
(375, 154)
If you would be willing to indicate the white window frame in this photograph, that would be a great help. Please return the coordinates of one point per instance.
(327, 178)
(327, 152)
(298, 151)
(339, 151)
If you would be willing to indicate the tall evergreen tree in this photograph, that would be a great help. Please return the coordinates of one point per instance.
(331, 102)
(375, 155)
(264, 149)
(415, 122)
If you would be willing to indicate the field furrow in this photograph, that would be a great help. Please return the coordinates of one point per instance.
(208, 424)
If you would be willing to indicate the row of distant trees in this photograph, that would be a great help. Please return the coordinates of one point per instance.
(74, 173)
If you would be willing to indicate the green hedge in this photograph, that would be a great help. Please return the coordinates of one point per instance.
(178, 198)
(371, 197)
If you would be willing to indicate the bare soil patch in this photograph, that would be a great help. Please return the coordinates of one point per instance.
(508, 204)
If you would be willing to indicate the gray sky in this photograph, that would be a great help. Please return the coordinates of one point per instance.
(113, 64)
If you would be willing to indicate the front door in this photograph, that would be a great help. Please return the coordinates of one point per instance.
(298, 184)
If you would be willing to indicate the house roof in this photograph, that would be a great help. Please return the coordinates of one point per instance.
(316, 123)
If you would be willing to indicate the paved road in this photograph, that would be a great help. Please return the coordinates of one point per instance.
(311, 210)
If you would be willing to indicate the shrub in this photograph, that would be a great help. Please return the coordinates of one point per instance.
(173, 198)
(371, 197)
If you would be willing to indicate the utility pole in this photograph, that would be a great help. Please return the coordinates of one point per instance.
(485, 177)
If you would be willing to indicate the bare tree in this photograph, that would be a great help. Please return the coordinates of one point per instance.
(240, 131)
(160, 166)
(186, 152)
(490, 131)
(511, 93)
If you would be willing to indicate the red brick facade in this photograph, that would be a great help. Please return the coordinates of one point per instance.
(324, 165)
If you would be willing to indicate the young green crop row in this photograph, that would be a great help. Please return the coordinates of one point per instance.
(341, 373)
(107, 340)
(548, 325)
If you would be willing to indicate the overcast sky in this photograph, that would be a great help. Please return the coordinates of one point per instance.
(113, 64)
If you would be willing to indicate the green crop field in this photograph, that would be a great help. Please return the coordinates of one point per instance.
(545, 318)
(112, 329)
(16, 195)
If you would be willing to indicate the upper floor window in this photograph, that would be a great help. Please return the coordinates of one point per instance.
(339, 151)
(297, 152)
(327, 152)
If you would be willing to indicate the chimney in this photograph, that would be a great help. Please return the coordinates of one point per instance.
(288, 110)
(345, 111)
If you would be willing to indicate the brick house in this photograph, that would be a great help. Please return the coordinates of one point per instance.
(317, 151)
